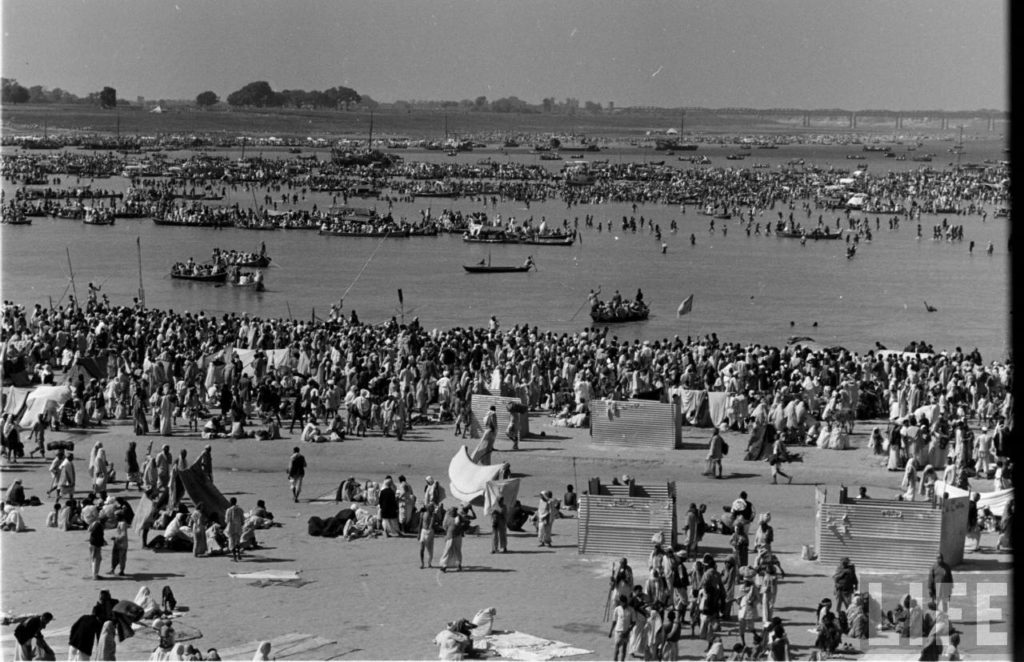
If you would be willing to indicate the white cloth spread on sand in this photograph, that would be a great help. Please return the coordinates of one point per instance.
(522, 646)
(266, 574)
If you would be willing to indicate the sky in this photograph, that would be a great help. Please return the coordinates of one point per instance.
(894, 54)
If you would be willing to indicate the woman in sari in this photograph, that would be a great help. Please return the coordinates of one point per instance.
(139, 410)
(406, 506)
(106, 649)
(150, 609)
(895, 449)
(910, 480)
(166, 412)
(197, 524)
(99, 468)
(452, 554)
(131, 464)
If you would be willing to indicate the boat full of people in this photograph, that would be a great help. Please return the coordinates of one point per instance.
(618, 310)
(249, 279)
(249, 259)
(205, 273)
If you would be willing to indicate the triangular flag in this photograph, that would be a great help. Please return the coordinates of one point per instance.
(685, 307)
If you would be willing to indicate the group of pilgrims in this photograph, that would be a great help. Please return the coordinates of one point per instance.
(948, 411)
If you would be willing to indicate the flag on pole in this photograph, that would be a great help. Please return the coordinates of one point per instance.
(400, 296)
(685, 307)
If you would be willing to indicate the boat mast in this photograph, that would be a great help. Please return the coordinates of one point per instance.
(369, 142)
(74, 290)
(142, 292)
(960, 148)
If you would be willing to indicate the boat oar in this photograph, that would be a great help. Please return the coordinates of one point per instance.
(578, 310)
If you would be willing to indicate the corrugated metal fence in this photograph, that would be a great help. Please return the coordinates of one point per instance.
(635, 423)
(622, 525)
(479, 404)
(889, 535)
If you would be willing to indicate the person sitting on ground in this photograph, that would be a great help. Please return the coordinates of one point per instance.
(11, 519)
(213, 429)
(311, 433)
(570, 501)
(53, 517)
(518, 516)
(15, 494)
(273, 429)
(262, 518)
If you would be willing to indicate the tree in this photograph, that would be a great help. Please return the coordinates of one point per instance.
(548, 103)
(14, 92)
(108, 97)
(555, 143)
(207, 99)
(258, 93)
(480, 103)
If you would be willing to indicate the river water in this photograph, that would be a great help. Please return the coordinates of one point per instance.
(746, 289)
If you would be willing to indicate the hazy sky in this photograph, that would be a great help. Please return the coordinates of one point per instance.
(900, 54)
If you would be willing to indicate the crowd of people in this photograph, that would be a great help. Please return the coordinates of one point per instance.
(948, 411)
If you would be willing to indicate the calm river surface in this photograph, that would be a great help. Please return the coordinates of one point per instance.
(746, 289)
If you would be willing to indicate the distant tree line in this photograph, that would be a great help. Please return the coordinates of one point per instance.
(512, 104)
(260, 95)
(15, 92)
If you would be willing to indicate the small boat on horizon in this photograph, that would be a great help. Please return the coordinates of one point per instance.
(488, 268)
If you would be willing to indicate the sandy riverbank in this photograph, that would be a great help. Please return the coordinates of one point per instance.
(371, 598)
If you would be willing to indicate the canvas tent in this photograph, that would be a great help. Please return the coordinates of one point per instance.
(994, 501)
(44, 400)
(199, 489)
(15, 401)
(468, 480)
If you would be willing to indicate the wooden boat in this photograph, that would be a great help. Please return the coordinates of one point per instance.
(498, 269)
(815, 234)
(216, 276)
(244, 260)
(211, 223)
(494, 237)
(549, 240)
(252, 281)
(97, 217)
(390, 233)
(602, 316)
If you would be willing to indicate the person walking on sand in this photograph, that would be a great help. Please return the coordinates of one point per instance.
(622, 624)
(499, 527)
(452, 554)
(96, 543)
(119, 548)
(940, 584)
(296, 472)
(845, 581)
(715, 452)
(55, 472)
(427, 533)
(545, 518)
(776, 459)
(66, 479)
(234, 519)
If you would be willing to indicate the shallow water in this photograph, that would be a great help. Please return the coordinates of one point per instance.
(746, 289)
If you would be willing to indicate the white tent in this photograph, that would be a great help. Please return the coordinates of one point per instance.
(157, 110)
(672, 132)
(468, 479)
(44, 399)
(994, 501)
